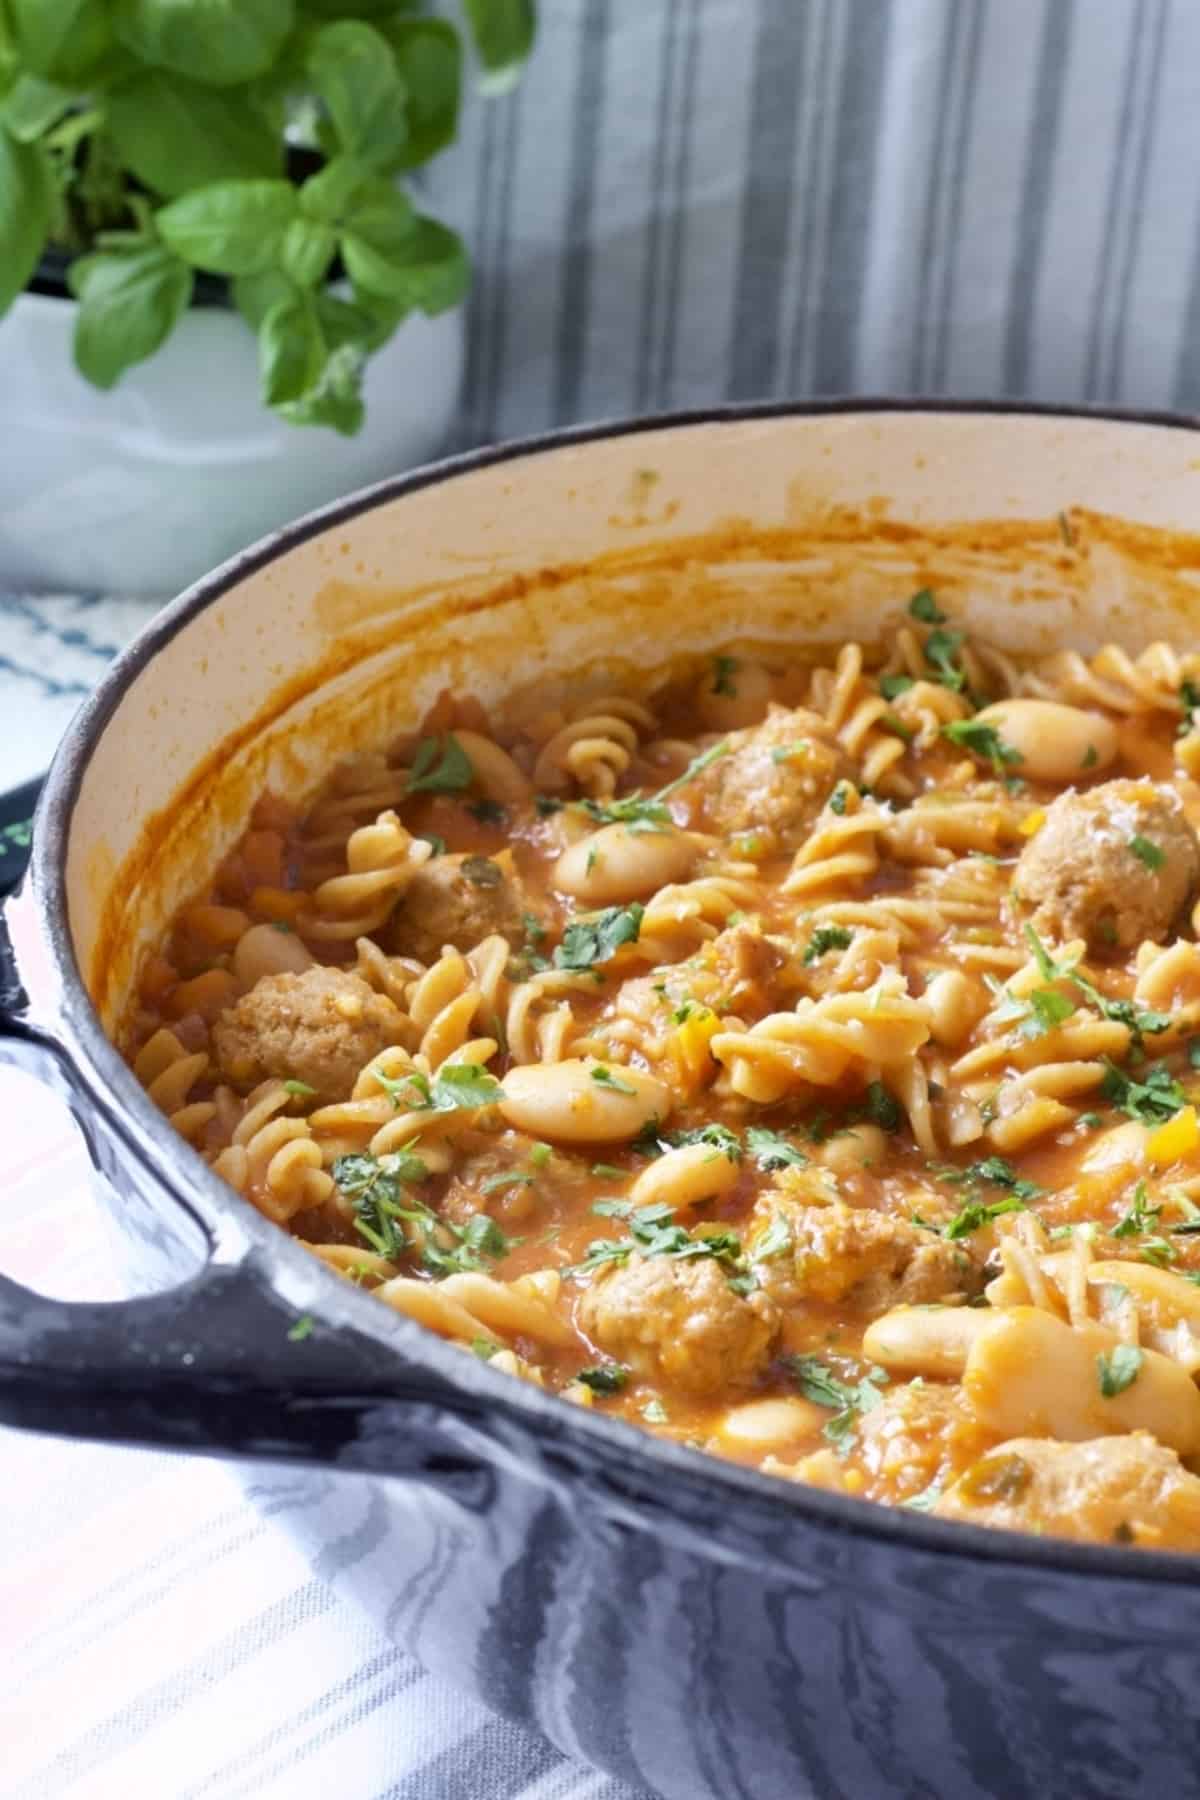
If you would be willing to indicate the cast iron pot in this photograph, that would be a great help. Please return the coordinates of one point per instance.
(685, 1623)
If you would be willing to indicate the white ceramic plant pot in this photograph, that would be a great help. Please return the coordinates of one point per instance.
(141, 489)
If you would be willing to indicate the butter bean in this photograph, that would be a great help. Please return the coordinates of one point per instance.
(925, 1340)
(265, 950)
(615, 864)
(1056, 742)
(576, 1102)
(1032, 1375)
(771, 1424)
(684, 1177)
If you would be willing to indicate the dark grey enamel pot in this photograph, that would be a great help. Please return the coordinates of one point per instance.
(682, 1622)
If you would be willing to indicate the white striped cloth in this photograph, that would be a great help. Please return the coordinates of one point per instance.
(160, 1639)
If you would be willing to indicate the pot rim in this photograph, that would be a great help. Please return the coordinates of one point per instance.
(72, 1021)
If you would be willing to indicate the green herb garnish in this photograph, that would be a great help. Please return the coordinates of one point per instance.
(1148, 853)
(604, 1378)
(771, 1151)
(924, 607)
(1118, 1369)
(848, 1401)
(440, 766)
(589, 941)
(826, 938)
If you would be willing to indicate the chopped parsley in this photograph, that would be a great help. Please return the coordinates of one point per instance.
(975, 1214)
(1091, 757)
(1141, 1216)
(436, 844)
(771, 1151)
(837, 800)
(941, 648)
(892, 686)
(773, 1241)
(1137, 1019)
(848, 1401)
(303, 1328)
(1118, 1369)
(1152, 1101)
(718, 1138)
(299, 1090)
(604, 1077)
(794, 752)
(983, 741)
(724, 670)
(1148, 853)
(924, 607)
(994, 1169)
(509, 1178)
(881, 1109)
(654, 1232)
(826, 938)
(546, 805)
(590, 941)
(488, 812)
(440, 766)
(383, 1208)
(609, 1171)
(649, 812)
(604, 1378)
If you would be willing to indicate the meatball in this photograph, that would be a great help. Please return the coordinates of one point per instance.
(680, 1322)
(319, 1027)
(1113, 866)
(459, 900)
(1126, 1489)
(916, 1437)
(774, 779)
(836, 1252)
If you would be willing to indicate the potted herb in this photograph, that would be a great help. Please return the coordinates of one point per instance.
(220, 302)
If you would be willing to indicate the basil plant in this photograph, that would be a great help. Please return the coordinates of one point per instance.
(144, 143)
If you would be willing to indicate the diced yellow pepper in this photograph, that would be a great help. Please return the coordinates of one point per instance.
(1179, 1137)
(689, 1046)
(1032, 822)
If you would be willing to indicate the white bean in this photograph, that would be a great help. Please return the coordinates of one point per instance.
(495, 770)
(956, 1004)
(265, 950)
(771, 1424)
(577, 1102)
(1032, 1375)
(1055, 742)
(851, 1151)
(925, 1340)
(733, 693)
(684, 1177)
(615, 864)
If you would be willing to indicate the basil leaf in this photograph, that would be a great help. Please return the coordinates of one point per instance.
(26, 209)
(32, 105)
(219, 42)
(307, 251)
(336, 398)
(129, 303)
(176, 135)
(255, 295)
(352, 68)
(291, 350)
(429, 62)
(503, 34)
(229, 227)
(59, 39)
(421, 264)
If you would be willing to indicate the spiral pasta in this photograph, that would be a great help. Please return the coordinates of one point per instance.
(745, 1054)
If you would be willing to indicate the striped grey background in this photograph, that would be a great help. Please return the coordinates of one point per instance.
(696, 200)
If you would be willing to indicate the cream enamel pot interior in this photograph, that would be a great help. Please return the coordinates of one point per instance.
(688, 1624)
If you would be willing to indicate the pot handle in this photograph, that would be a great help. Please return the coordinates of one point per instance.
(224, 1362)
